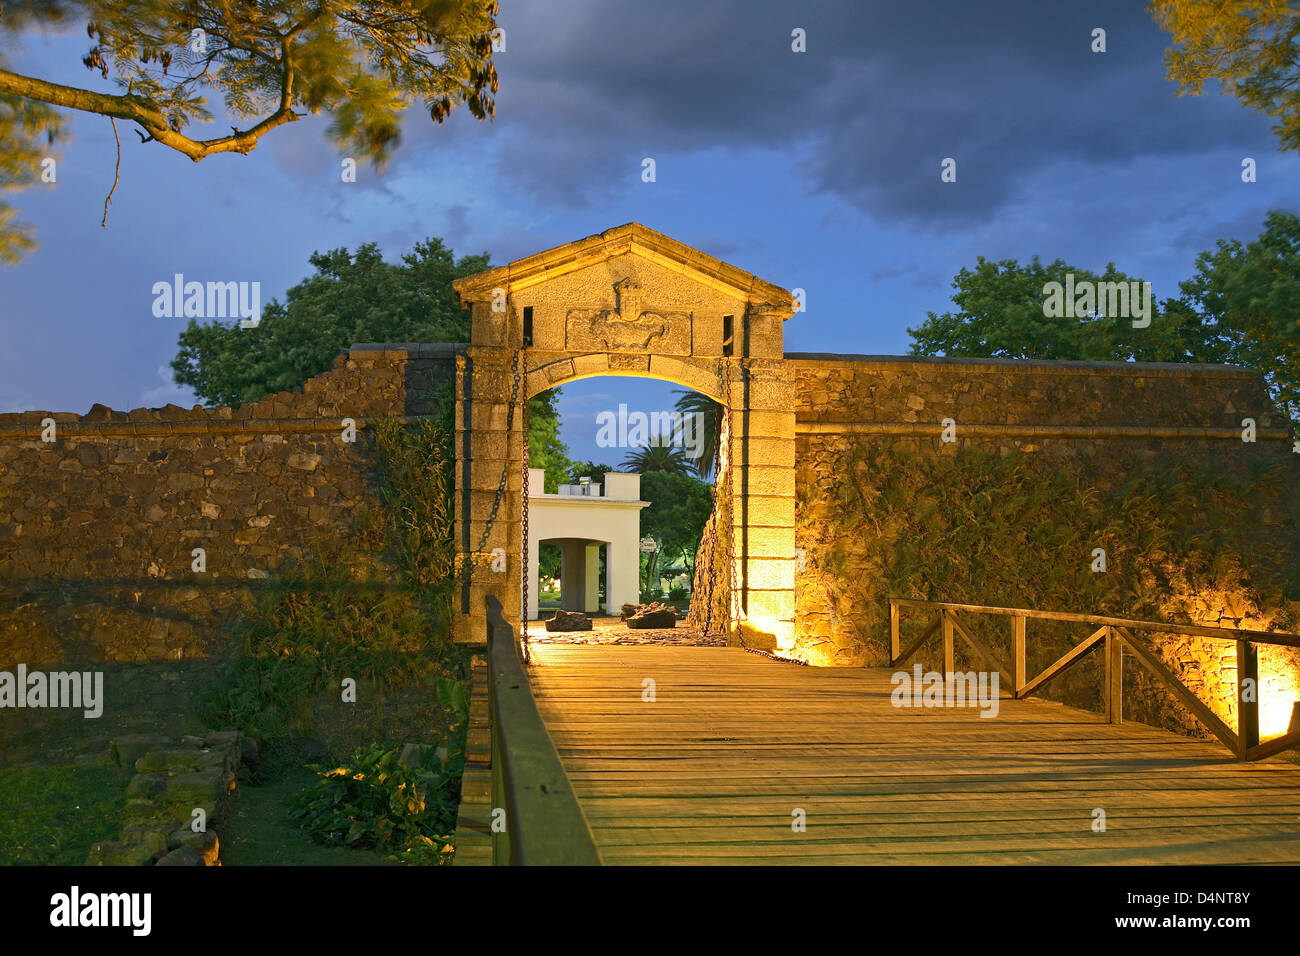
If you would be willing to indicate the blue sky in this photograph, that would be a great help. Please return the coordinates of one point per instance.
(817, 170)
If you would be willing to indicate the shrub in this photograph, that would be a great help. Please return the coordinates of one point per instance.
(373, 802)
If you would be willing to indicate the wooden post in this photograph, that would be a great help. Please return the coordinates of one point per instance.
(1114, 693)
(948, 666)
(1247, 711)
(1018, 653)
(893, 633)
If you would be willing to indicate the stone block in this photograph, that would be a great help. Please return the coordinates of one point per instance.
(202, 788)
(127, 749)
(168, 759)
(182, 856)
(147, 785)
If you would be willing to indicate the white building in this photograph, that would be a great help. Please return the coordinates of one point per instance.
(580, 519)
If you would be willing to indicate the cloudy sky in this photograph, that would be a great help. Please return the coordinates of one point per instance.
(818, 170)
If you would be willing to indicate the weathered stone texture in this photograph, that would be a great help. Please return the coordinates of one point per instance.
(98, 529)
(842, 604)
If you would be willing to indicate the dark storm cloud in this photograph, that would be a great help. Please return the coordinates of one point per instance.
(885, 92)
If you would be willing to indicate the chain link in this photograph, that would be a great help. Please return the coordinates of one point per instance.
(733, 594)
(524, 551)
(476, 555)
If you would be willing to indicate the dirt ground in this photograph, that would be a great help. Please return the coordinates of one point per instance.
(611, 630)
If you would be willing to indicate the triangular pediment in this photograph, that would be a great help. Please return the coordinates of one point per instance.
(631, 239)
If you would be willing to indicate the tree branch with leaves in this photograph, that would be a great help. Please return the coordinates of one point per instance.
(364, 62)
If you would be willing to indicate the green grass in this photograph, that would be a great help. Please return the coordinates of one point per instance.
(260, 832)
(51, 816)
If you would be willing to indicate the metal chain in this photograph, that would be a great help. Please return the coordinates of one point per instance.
(733, 609)
(523, 554)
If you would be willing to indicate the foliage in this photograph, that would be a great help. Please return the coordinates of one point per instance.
(1242, 307)
(588, 469)
(364, 62)
(1017, 530)
(659, 456)
(53, 815)
(545, 450)
(262, 833)
(372, 801)
(709, 426)
(549, 560)
(417, 482)
(351, 298)
(679, 507)
(1247, 47)
(1002, 316)
(27, 130)
(345, 613)
(1250, 296)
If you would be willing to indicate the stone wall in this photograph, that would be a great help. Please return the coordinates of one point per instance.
(178, 801)
(1097, 422)
(98, 528)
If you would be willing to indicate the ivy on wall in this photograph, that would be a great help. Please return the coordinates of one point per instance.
(1187, 542)
(374, 605)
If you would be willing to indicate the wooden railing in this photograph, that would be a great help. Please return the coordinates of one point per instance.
(544, 824)
(1113, 635)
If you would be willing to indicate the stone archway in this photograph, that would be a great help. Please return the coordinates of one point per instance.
(630, 301)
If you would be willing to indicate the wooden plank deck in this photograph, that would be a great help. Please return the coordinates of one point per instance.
(712, 771)
(473, 820)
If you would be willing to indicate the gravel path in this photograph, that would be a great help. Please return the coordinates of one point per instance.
(612, 631)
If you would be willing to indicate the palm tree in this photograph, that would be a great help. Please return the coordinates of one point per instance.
(706, 415)
(659, 455)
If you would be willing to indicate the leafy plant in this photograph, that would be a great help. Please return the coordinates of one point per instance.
(453, 695)
(373, 801)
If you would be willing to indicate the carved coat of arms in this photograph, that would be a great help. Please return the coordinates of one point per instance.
(629, 327)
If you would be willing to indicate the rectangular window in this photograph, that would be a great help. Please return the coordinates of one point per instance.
(728, 335)
(528, 326)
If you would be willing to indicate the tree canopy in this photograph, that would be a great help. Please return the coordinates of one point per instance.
(1246, 46)
(351, 298)
(364, 62)
(1002, 314)
(679, 507)
(1249, 296)
(659, 455)
(588, 469)
(1242, 307)
(545, 450)
(706, 419)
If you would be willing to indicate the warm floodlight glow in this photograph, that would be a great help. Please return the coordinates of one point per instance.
(1279, 690)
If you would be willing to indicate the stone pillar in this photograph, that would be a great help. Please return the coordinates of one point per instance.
(573, 576)
(591, 577)
(489, 442)
(622, 574)
(611, 589)
(762, 512)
